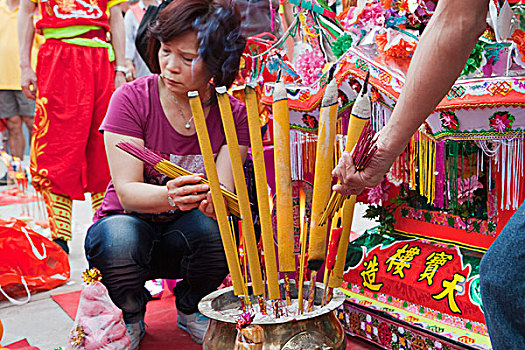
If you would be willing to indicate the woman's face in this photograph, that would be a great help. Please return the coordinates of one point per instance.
(181, 68)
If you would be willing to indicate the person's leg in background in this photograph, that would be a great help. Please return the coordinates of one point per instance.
(28, 121)
(61, 131)
(26, 109)
(96, 200)
(502, 282)
(14, 107)
(97, 170)
(59, 211)
(15, 136)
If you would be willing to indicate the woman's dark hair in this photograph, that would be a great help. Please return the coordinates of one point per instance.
(217, 24)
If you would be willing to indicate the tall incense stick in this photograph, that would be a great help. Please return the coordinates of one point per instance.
(263, 200)
(283, 184)
(302, 256)
(242, 192)
(230, 249)
(358, 131)
(322, 187)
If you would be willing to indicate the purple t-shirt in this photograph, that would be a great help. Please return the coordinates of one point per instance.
(135, 110)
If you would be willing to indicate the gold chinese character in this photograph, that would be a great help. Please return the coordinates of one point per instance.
(369, 275)
(401, 260)
(449, 291)
(433, 262)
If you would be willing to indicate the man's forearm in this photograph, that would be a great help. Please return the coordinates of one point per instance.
(439, 58)
(118, 36)
(26, 32)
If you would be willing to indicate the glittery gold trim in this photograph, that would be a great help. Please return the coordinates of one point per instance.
(92, 275)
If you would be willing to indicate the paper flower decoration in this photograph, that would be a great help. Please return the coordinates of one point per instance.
(466, 189)
(91, 276)
(379, 194)
(77, 336)
(309, 65)
(372, 15)
(395, 44)
(449, 121)
(519, 38)
(474, 60)
(343, 43)
(244, 320)
(501, 121)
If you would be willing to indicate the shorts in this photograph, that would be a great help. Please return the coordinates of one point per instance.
(14, 102)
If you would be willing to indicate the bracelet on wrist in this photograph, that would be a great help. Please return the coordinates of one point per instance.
(122, 69)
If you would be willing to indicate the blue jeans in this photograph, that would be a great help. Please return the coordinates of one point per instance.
(129, 251)
(502, 277)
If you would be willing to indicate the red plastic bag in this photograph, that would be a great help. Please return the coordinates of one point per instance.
(29, 262)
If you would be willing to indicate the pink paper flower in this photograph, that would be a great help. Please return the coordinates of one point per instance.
(466, 189)
(309, 66)
(501, 121)
(449, 120)
(379, 194)
(371, 16)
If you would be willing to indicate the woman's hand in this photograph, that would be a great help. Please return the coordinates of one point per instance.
(186, 193)
(120, 79)
(207, 208)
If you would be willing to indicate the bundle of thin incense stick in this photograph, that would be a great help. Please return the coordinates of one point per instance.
(173, 171)
(365, 148)
(364, 151)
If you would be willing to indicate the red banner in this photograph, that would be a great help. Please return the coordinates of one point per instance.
(425, 274)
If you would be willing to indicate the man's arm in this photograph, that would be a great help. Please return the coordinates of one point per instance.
(26, 36)
(438, 60)
(131, 34)
(118, 40)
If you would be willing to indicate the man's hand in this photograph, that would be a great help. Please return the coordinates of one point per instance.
(130, 75)
(120, 79)
(28, 82)
(352, 181)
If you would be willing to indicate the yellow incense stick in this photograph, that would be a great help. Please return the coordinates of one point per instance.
(323, 172)
(283, 179)
(230, 248)
(263, 199)
(336, 277)
(359, 117)
(302, 257)
(173, 171)
(242, 192)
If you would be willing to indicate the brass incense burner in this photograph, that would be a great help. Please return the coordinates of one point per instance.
(317, 330)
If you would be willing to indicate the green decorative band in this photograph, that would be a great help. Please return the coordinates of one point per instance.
(302, 128)
(477, 135)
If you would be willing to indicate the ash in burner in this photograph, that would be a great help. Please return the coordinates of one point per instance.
(286, 312)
